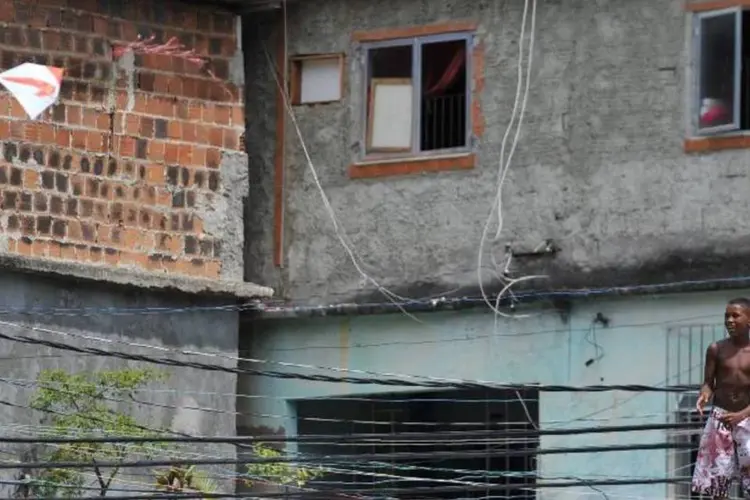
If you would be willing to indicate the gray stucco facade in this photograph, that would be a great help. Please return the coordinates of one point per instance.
(600, 168)
(115, 318)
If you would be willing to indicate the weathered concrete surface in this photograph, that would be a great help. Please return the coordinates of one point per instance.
(664, 338)
(206, 331)
(259, 41)
(599, 169)
(222, 214)
(134, 278)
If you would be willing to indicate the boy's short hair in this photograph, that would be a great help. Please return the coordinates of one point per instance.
(740, 301)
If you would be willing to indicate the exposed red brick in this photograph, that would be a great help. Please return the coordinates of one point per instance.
(112, 174)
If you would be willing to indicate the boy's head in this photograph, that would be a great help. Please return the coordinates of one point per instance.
(737, 317)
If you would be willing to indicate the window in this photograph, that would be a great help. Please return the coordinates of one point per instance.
(390, 424)
(722, 97)
(316, 79)
(417, 95)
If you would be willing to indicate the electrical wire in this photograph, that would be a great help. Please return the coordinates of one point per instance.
(180, 458)
(496, 306)
(467, 338)
(603, 430)
(183, 461)
(360, 456)
(497, 206)
(471, 338)
(270, 306)
(433, 480)
(338, 231)
(459, 424)
(97, 419)
(386, 464)
(334, 379)
(393, 478)
(30, 383)
(326, 495)
(367, 438)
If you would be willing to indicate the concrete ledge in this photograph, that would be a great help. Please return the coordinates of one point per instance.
(134, 278)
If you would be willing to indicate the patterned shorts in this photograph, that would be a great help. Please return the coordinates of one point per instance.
(723, 456)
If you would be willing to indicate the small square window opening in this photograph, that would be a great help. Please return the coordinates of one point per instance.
(418, 96)
(316, 79)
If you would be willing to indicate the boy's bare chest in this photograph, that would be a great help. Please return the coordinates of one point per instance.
(735, 360)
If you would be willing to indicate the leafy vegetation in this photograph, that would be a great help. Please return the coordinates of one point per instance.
(278, 472)
(80, 405)
(85, 405)
(179, 479)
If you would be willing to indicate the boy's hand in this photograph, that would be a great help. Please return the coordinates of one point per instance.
(702, 400)
(733, 418)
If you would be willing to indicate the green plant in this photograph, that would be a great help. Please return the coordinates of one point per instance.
(180, 479)
(278, 472)
(81, 405)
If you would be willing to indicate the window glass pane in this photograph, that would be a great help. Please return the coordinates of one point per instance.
(443, 97)
(390, 94)
(717, 71)
(391, 62)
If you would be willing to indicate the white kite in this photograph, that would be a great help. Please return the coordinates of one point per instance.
(36, 87)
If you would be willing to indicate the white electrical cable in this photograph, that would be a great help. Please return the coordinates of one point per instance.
(521, 115)
(516, 103)
(340, 234)
(505, 164)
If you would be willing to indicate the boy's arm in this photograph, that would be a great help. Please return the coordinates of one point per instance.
(709, 375)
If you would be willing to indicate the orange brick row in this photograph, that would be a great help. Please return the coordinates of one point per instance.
(118, 172)
(56, 250)
(222, 114)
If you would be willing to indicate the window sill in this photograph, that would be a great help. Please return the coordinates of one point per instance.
(717, 143)
(312, 104)
(411, 166)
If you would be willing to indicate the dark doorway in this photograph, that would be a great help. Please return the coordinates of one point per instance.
(484, 459)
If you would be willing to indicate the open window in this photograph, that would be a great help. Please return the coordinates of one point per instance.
(418, 96)
(722, 71)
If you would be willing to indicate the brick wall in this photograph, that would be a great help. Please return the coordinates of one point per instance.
(133, 166)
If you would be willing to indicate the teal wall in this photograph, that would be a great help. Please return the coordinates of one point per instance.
(542, 348)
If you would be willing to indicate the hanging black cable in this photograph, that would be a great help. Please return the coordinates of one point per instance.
(368, 438)
(381, 492)
(374, 457)
(400, 382)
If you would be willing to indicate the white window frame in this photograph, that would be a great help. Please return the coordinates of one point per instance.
(416, 44)
(698, 20)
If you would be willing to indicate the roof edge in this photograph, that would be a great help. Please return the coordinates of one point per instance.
(559, 298)
(134, 278)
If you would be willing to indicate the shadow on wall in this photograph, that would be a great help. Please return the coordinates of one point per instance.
(93, 315)
(99, 310)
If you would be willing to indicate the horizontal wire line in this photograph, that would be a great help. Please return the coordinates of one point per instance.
(29, 385)
(428, 382)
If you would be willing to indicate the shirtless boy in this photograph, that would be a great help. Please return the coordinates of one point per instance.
(724, 450)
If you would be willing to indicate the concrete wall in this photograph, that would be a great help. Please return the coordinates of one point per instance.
(600, 167)
(140, 164)
(101, 312)
(651, 341)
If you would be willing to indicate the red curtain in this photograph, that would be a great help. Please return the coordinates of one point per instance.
(450, 63)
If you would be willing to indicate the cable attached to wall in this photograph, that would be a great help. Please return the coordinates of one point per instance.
(505, 166)
(344, 379)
